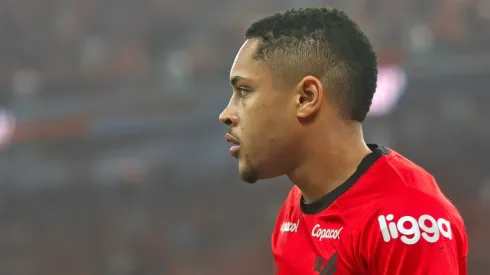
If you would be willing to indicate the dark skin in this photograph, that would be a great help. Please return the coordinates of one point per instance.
(292, 130)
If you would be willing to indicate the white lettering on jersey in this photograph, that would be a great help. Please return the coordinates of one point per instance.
(322, 233)
(290, 226)
(411, 229)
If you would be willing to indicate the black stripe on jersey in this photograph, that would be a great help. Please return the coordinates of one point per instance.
(331, 265)
(323, 203)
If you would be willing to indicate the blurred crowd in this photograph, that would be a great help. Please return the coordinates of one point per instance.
(54, 46)
(118, 164)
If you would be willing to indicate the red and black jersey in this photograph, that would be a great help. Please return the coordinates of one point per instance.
(388, 218)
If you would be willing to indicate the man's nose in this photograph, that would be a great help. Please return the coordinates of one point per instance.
(228, 117)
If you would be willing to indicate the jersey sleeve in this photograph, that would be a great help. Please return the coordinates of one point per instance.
(414, 235)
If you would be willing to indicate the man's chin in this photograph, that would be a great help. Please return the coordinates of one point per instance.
(248, 175)
(248, 178)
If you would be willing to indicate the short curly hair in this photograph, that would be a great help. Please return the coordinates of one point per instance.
(323, 42)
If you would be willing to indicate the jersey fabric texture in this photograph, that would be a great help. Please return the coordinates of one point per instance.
(388, 218)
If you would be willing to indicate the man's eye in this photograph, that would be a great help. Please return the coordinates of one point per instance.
(243, 90)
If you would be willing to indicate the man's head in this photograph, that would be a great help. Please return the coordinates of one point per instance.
(297, 72)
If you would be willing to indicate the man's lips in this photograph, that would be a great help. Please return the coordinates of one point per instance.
(233, 149)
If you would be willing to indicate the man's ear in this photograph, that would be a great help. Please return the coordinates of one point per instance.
(309, 97)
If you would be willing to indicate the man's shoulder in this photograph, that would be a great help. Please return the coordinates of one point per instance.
(406, 220)
(393, 175)
(397, 167)
(401, 191)
(412, 187)
(412, 200)
(291, 204)
(294, 197)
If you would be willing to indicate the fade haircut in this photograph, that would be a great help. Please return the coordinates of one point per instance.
(325, 43)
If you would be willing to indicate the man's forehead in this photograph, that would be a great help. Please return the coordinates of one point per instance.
(247, 50)
(245, 64)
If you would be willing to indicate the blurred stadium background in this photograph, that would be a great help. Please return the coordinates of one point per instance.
(116, 163)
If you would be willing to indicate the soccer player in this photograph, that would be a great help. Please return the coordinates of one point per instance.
(302, 83)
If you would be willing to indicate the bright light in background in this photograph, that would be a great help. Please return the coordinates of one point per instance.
(391, 85)
(7, 126)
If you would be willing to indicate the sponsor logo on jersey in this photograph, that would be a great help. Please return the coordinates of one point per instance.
(323, 233)
(290, 226)
(411, 230)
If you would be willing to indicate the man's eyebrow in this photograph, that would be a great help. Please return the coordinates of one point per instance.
(235, 79)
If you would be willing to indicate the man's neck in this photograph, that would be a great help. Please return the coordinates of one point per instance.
(326, 166)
